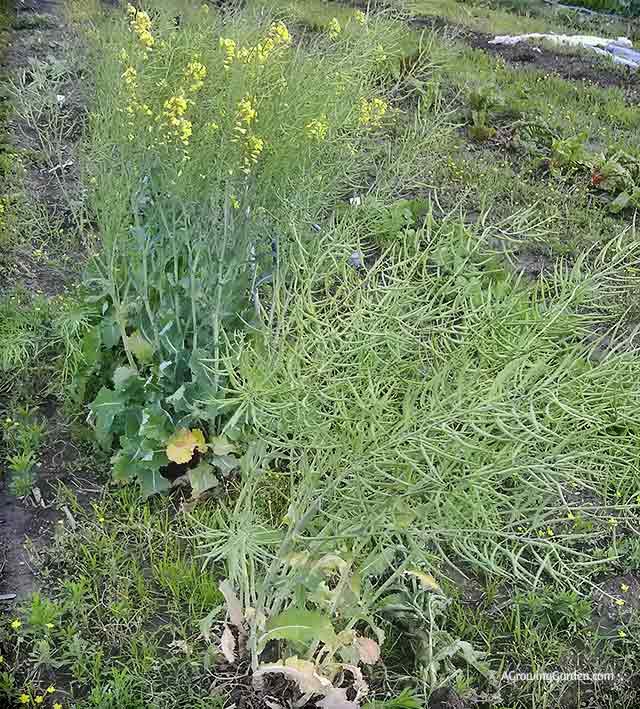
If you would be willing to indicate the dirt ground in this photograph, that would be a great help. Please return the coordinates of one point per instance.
(27, 524)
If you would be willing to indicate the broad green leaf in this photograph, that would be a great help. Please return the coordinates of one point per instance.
(141, 348)
(105, 407)
(122, 376)
(221, 445)
(225, 463)
(301, 626)
(202, 479)
(151, 482)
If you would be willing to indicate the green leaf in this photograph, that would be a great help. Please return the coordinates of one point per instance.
(620, 202)
(202, 479)
(105, 407)
(121, 377)
(151, 482)
(221, 445)
(156, 423)
(225, 463)
(141, 348)
(301, 626)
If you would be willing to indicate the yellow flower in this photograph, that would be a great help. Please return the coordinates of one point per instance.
(317, 129)
(255, 146)
(49, 626)
(140, 24)
(186, 131)
(279, 33)
(372, 112)
(334, 28)
(360, 17)
(39, 700)
(16, 625)
(57, 705)
(622, 634)
(174, 108)
(624, 588)
(619, 602)
(51, 689)
(246, 111)
(234, 202)
(130, 76)
(24, 699)
(229, 47)
(196, 73)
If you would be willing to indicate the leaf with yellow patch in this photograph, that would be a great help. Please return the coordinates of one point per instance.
(426, 580)
(182, 445)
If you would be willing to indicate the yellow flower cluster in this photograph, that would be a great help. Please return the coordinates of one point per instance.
(140, 23)
(334, 28)
(174, 111)
(253, 144)
(277, 37)
(372, 112)
(196, 74)
(246, 112)
(130, 76)
(229, 47)
(317, 129)
(360, 17)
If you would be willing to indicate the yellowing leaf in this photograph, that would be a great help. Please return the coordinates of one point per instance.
(234, 607)
(304, 673)
(426, 580)
(198, 437)
(182, 445)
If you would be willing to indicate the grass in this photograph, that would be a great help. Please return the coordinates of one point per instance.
(318, 317)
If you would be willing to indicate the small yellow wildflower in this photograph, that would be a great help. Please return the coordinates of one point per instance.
(255, 145)
(16, 625)
(140, 23)
(360, 17)
(624, 588)
(317, 129)
(246, 111)
(622, 634)
(234, 202)
(619, 602)
(334, 28)
(130, 76)
(229, 47)
(51, 689)
(57, 705)
(174, 108)
(49, 626)
(39, 699)
(196, 73)
(24, 699)
(186, 131)
(372, 112)
(280, 33)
